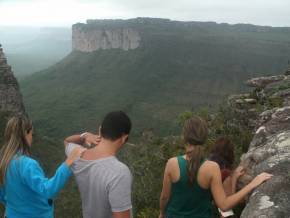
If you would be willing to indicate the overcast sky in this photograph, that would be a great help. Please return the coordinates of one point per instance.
(67, 12)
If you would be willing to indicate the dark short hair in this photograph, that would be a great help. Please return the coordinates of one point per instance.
(115, 125)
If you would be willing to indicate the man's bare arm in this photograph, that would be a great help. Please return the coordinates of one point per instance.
(77, 139)
(85, 138)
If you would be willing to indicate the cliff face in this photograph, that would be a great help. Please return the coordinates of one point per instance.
(10, 96)
(91, 37)
(269, 150)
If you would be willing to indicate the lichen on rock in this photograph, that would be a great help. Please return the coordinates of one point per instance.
(269, 152)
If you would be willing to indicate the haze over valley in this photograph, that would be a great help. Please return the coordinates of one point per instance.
(68, 63)
(31, 49)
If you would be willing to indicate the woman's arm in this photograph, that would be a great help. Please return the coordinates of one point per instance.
(220, 198)
(166, 189)
(33, 175)
(230, 182)
(239, 171)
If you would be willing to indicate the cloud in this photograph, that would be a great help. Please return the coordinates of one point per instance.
(67, 12)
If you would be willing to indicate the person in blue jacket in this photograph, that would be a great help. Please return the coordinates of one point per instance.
(24, 189)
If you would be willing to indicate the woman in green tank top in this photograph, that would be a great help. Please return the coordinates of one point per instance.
(190, 183)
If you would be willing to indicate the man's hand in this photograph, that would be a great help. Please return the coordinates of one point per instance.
(91, 139)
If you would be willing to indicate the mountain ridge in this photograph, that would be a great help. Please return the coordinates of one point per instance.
(173, 69)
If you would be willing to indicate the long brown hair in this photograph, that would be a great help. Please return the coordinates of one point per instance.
(14, 142)
(222, 152)
(195, 133)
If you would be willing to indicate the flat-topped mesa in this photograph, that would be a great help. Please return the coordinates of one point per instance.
(104, 34)
(10, 96)
(138, 20)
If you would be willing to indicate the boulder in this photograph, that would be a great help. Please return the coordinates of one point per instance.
(269, 152)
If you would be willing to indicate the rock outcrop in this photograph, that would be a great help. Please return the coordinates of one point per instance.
(261, 82)
(287, 72)
(10, 96)
(96, 35)
(269, 150)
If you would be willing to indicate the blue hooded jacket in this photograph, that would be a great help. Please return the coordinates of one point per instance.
(27, 193)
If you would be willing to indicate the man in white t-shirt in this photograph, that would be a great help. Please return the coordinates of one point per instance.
(103, 181)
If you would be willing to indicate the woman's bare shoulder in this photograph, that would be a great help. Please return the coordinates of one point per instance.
(210, 165)
(172, 161)
(207, 171)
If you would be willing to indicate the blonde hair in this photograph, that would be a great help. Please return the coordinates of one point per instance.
(195, 133)
(14, 142)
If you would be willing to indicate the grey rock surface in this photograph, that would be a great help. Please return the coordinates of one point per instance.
(10, 96)
(269, 152)
(261, 82)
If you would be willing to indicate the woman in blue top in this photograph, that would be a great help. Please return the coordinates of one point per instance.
(24, 189)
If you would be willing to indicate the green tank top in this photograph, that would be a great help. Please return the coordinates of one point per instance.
(186, 200)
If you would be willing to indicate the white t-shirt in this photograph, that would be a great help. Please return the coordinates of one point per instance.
(104, 185)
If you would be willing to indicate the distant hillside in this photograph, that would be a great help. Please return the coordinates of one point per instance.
(178, 65)
(31, 49)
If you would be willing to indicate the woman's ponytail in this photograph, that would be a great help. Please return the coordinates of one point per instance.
(195, 133)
